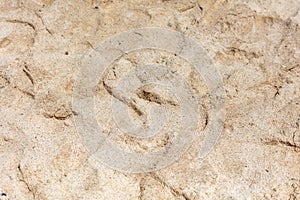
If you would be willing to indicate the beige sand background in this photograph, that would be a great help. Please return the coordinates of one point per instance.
(253, 43)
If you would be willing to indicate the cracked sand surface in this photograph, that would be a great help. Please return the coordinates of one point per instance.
(253, 44)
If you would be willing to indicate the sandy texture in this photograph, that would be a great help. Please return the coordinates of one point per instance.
(254, 45)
